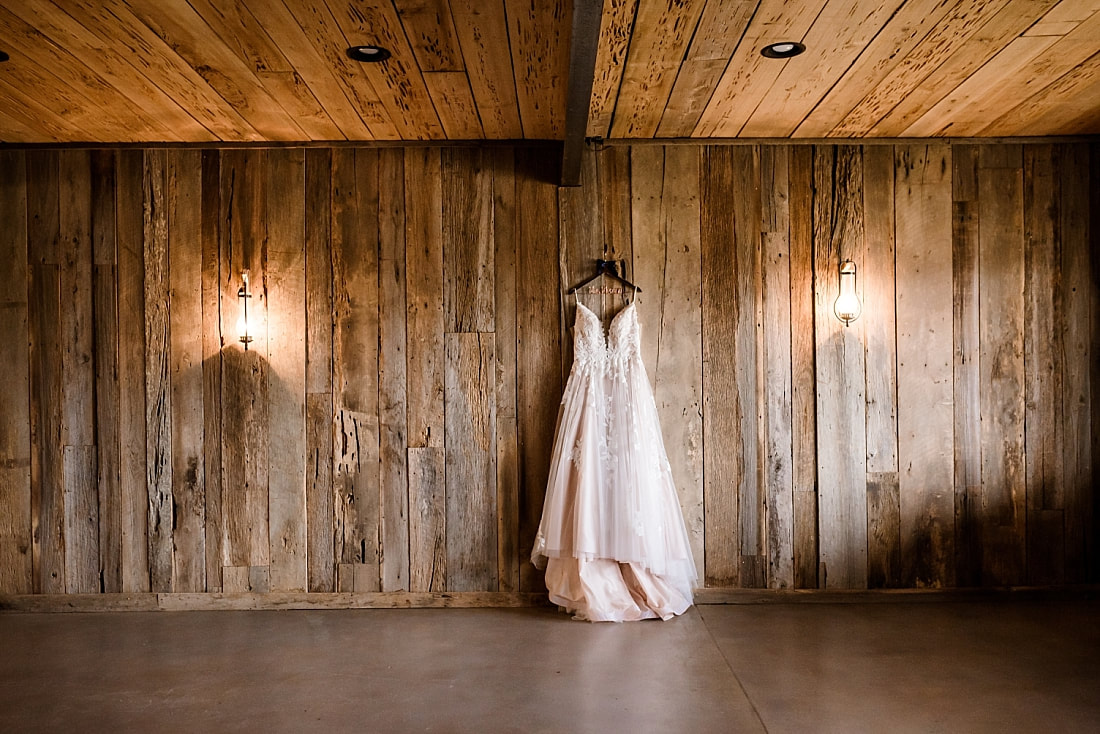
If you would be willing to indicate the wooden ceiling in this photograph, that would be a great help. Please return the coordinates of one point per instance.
(276, 70)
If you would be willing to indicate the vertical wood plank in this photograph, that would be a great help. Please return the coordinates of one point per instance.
(355, 360)
(427, 518)
(966, 396)
(720, 417)
(746, 295)
(776, 361)
(647, 185)
(213, 340)
(16, 557)
(613, 192)
(130, 218)
(841, 406)
(158, 409)
(467, 240)
(425, 366)
(1001, 359)
(924, 319)
(883, 498)
(1078, 175)
(188, 483)
(581, 243)
(244, 450)
(471, 462)
(320, 546)
(509, 553)
(78, 373)
(286, 300)
(538, 343)
(105, 351)
(803, 381)
(392, 376)
(1043, 350)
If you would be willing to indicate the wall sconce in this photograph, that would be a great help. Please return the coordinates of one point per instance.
(847, 307)
(243, 325)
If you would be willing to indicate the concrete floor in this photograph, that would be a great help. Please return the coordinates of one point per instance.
(900, 667)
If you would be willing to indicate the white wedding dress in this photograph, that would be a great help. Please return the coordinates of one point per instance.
(612, 537)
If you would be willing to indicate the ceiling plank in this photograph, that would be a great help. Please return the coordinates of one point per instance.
(107, 61)
(450, 90)
(241, 32)
(1008, 23)
(749, 76)
(662, 32)
(1006, 78)
(902, 33)
(432, 34)
(720, 29)
(1069, 106)
(842, 30)
(318, 25)
(397, 81)
(582, 62)
(29, 112)
(615, 28)
(538, 36)
(483, 36)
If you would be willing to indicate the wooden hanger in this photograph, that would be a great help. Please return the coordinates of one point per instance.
(609, 268)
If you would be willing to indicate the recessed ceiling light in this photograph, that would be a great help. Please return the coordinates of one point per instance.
(3, 56)
(782, 50)
(368, 53)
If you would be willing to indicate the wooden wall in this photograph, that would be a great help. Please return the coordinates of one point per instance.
(389, 428)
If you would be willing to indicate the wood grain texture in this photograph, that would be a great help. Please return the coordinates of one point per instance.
(720, 419)
(286, 300)
(213, 331)
(16, 557)
(471, 462)
(186, 371)
(538, 35)
(355, 359)
(924, 357)
(1001, 360)
(841, 407)
(466, 188)
(392, 375)
(427, 519)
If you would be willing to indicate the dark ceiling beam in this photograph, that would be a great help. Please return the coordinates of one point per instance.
(578, 94)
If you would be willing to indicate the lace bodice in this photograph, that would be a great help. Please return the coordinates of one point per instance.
(593, 350)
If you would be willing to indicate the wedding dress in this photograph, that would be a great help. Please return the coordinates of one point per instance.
(612, 537)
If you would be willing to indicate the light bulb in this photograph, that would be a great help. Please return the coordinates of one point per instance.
(847, 307)
(243, 327)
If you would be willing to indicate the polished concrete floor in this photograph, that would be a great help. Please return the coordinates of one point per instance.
(899, 667)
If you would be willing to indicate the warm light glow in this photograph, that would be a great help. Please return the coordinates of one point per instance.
(243, 325)
(847, 307)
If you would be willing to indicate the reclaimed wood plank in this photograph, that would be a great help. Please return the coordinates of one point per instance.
(158, 406)
(880, 329)
(467, 223)
(392, 375)
(320, 546)
(966, 391)
(538, 35)
(16, 556)
(611, 49)
(355, 356)
(505, 282)
(1001, 362)
(185, 344)
(286, 299)
(720, 417)
(130, 234)
(776, 362)
(213, 340)
(538, 343)
(803, 379)
(489, 71)
(105, 351)
(471, 513)
(454, 102)
(1078, 176)
(427, 519)
(922, 201)
(425, 321)
(841, 408)
(81, 520)
(1043, 350)
(649, 245)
